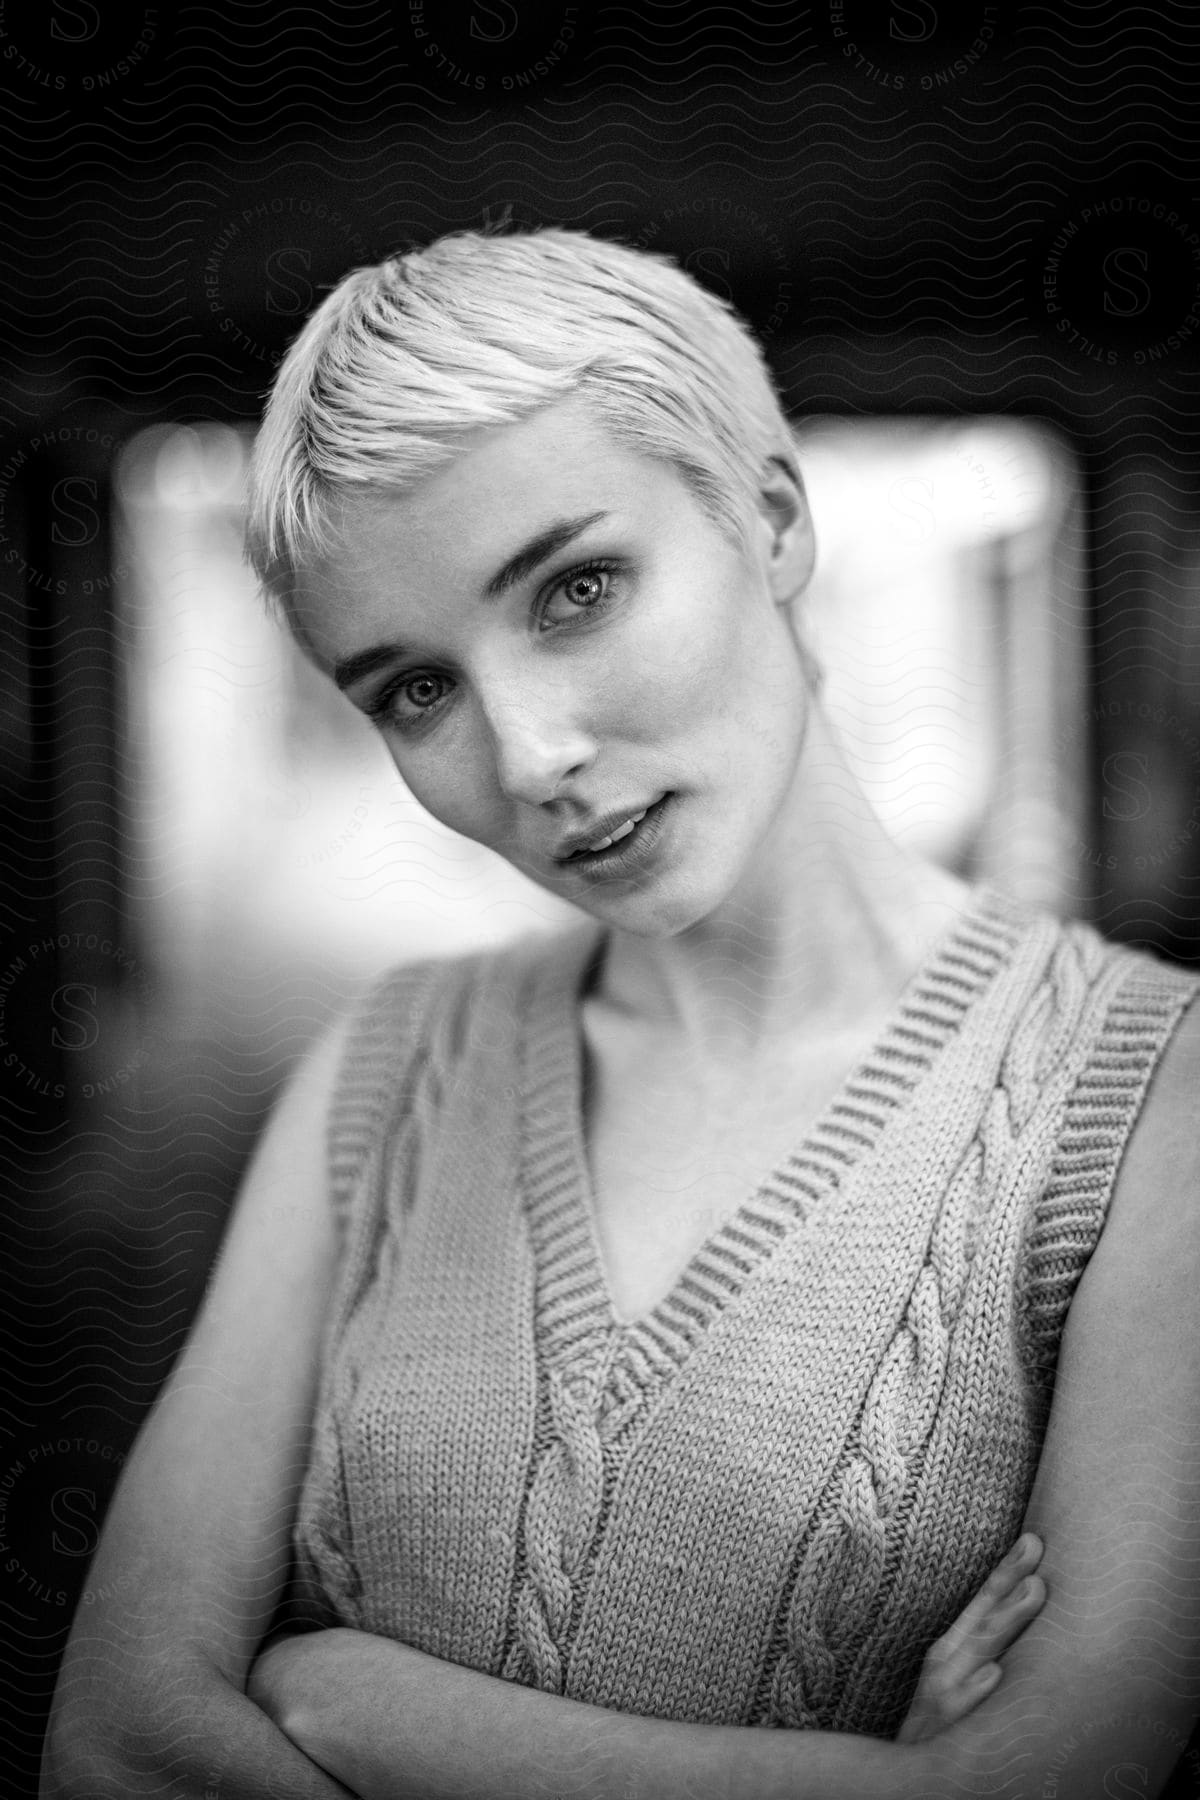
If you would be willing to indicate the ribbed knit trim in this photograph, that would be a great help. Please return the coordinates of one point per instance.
(1099, 1115)
(575, 1320)
(386, 1041)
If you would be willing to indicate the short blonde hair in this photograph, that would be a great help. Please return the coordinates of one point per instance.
(484, 328)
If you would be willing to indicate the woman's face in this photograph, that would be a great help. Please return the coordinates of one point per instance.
(637, 656)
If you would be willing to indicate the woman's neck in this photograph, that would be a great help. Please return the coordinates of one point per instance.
(823, 931)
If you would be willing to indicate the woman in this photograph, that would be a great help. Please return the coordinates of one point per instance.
(678, 1324)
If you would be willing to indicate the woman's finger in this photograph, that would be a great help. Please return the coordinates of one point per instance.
(1020, 1562)
(1008, 1574)
(960, 1669)
(1008, 1619)
(991, 1634)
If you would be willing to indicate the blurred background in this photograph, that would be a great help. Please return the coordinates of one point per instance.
(970, 243)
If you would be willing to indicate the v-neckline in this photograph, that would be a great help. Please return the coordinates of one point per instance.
(575, 1314)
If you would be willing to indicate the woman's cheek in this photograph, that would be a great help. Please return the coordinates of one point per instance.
(663, 675)
(444, 785)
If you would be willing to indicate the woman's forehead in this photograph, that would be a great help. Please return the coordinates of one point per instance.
(482, 507)
(556, 457)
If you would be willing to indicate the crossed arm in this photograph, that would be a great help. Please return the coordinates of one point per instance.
(333, 1713)
(390, 1722)
(393, 1724)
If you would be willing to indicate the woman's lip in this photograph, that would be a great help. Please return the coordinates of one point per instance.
(638, 814)
(628, 851)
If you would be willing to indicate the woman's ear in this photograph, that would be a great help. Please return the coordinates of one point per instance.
(787, 530)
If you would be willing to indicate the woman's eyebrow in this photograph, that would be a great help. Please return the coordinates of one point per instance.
(537, 551)
(522, 563)
(364, 662)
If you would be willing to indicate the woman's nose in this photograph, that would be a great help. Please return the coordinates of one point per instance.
(537, 745)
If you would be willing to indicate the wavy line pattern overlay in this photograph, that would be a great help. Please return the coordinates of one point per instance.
(969, 239)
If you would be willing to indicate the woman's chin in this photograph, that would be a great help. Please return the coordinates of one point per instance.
(665, 910)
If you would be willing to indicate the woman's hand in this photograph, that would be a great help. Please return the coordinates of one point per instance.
(959, 1669)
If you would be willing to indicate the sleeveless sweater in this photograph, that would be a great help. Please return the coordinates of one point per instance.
(761, 1502)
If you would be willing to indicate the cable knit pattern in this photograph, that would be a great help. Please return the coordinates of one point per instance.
(839, 1583)
(761, 1502)
(561, 1515)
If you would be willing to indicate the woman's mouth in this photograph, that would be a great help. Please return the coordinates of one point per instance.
(629, 848)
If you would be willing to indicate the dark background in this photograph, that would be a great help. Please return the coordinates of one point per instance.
(923, 210)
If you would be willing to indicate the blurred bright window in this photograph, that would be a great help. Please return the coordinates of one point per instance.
(949, 607)
(270, 834)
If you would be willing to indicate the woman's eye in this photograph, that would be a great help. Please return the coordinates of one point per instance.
(583, 590)
(422, 693)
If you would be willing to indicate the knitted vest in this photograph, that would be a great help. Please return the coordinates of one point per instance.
(761, 1502)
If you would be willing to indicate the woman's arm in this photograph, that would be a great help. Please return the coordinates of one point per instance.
(195, 1547)
(391, 1722)
(187, 1735)
(1100, 1694)
(396, 1724)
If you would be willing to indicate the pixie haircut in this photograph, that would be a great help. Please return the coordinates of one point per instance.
(483, 328)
